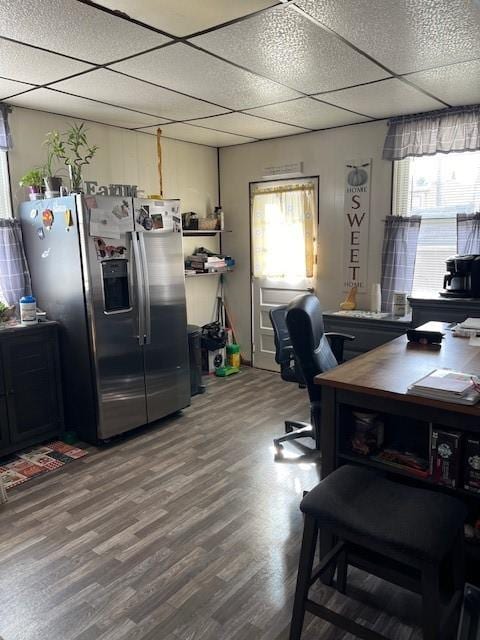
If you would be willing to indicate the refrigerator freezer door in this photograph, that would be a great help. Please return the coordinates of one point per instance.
(112, 304)
(167, 373)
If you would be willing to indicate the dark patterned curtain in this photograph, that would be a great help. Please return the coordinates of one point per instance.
(398, 256)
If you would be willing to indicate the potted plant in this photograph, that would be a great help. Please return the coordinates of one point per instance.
(33, 180)
(75, 152)
(53, 144)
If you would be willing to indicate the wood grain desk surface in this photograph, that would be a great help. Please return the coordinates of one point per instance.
(389, 370)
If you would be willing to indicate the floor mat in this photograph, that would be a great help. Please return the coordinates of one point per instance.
(31, 463)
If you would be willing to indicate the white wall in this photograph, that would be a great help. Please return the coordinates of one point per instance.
(323, 153)
(128, 157)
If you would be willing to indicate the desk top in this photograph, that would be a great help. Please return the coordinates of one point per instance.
(390, 369)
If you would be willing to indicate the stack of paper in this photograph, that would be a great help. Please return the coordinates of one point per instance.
(467, 328)
(447, 385)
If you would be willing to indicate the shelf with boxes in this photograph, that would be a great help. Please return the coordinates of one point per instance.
(204, 262)
(418, 452)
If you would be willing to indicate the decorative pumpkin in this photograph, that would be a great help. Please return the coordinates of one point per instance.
(358, 176)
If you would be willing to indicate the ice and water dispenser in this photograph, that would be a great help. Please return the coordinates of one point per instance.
(116, 294)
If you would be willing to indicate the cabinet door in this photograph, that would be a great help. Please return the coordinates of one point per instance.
(4, 434)
(31, 382)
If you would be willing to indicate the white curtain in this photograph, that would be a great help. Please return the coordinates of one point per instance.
(282, 229)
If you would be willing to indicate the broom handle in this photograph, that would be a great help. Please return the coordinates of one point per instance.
(159, 156)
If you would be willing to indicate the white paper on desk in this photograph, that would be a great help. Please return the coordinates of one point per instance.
(103, 224)
(474, 341)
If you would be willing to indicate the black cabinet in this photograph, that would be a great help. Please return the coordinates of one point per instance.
(30, 386)
(443, 309)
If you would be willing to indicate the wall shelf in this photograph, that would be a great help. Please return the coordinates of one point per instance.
(204, 232)
(210, 273)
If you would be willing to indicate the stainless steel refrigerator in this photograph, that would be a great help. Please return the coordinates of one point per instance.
(110, 271)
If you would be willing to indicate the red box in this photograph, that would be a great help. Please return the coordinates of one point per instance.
(471, 464)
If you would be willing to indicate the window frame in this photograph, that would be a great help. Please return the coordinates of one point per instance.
(4, 160)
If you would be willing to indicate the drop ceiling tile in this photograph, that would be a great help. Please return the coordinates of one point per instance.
(246, 125)
(64, 104)
(285, 46)
(75, 29)
(457, 84)
(199, 135)
(115, 88)
(184, 17)
(183, 68)
(10, 87)
(405, 35)
(382, 99)
(308, 113)
(19, 62)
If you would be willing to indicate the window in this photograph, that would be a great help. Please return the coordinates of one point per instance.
(437, 188)
(5, 203)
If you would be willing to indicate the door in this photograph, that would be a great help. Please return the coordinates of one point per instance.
(113, 295)
(167, 374)
(32, 385)
(284, 224)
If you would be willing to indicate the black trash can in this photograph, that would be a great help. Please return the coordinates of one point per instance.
(195, 353)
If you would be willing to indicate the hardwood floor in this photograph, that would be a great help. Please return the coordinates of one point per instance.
(185, 531)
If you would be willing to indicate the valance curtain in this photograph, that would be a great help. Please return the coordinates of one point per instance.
(14, 274)
(282, 231)
(5, 137)
(456, 129)
(468, 233)
(398, 256)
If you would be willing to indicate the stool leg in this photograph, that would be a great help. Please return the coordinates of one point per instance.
(342, 568)
(307, 554)
(431, 602)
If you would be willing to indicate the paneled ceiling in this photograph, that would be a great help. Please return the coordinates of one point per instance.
(224, 73)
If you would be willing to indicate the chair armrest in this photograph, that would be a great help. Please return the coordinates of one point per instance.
(337, 342)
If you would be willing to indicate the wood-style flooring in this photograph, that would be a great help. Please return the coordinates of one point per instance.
(185, 531)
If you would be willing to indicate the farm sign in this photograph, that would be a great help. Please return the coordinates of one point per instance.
(356, 223)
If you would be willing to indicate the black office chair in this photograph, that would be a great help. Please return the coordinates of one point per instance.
(303, 350)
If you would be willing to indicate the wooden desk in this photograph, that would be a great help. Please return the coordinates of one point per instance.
(378, 381)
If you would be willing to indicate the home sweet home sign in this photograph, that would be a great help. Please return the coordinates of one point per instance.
(356, 224)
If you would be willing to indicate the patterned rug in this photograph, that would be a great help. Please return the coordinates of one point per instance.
(35, 462)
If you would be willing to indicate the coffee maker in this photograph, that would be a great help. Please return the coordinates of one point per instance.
(462, 279)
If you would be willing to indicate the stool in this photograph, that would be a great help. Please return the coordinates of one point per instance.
(401, 534)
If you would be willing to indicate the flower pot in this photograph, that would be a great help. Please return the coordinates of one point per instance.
(35, 193)
(52, 186)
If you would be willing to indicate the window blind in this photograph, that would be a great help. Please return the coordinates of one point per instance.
(5, 204)
(436, 188)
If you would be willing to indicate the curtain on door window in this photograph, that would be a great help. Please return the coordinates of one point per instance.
(282, 228)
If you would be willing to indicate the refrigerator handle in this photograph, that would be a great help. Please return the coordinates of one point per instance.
(148, 322)
(139, 288)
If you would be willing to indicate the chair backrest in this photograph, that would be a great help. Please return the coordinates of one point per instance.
(307, 334)
(283, 344)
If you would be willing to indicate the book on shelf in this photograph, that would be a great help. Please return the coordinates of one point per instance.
(447, 385)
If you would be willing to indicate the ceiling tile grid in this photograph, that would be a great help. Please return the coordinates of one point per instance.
(285, 46)
(183, 68)
(123, 91)
(28, 64)
(382, 99)
(64, 104)
(457, 84)
(75, 29)
(178, 18)
(199, 135)
(247, 125)
(11, 88)
(308, 113)
(404, 35)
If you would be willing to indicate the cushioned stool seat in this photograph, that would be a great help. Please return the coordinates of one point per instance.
(402, 534)
(387, 516)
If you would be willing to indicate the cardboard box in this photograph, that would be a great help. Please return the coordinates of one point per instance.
(445, 457)
(471, 464)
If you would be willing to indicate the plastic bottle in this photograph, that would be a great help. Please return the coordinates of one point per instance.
(28, 310)
(233, 355)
